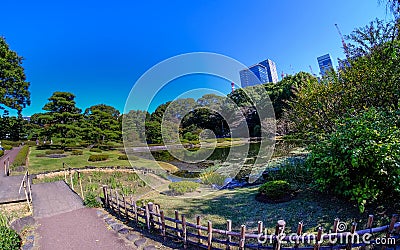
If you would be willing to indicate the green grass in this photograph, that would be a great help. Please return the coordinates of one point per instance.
(239, 205)
(44, 164)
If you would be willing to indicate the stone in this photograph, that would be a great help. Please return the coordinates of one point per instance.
(132, 237)
(140, 242)
(30, 238)
(123, 231)
(27, 246)
(150, 247)
(117, 226)
(19, 224)
(99, 213)
(110, 221)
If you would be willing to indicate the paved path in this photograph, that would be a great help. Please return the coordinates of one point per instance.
(9, 185)
(54, 198)
(78, 229)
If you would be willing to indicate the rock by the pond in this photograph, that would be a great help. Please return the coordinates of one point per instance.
(19, 224)
(234, 184)
(140, 242)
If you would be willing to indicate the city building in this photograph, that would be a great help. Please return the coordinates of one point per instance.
(324, 63)
(261, 72)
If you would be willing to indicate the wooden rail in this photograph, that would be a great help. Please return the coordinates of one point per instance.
(7, 170)
(70, 172)
(26, 185)
(153, 218)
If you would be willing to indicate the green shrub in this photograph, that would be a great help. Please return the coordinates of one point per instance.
(77, 152)
(3, 220)
(96, 150)
(20, 159)
(54, 152)
(275, 190)
(7, 147)
(9, 239)
(209, 176)
(41, 155)
(123, 157)
(183, 187)
(360, 160)
(101, 157)
(1, 153)
(91, 200)
(143, 202)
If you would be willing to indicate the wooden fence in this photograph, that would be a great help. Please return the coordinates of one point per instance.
(208, 237)
(26, 185)
(6, 165)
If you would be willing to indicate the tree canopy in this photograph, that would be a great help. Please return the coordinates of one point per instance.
(14, 91)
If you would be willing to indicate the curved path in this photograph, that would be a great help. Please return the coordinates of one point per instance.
(9, 185)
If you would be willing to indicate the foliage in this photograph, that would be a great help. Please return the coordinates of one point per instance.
(14, 91)
(77, 152)
(9, 239)
(103, 123)
(62, 120)
(123, 157)
(275, 190)
(100, 157)
(1, 153)
(7, 147)
(360, 160)
(183, 187)
(294, 171)
(91, 200)
(370, 80)
(20, 158)
(54, 151)
(96, 150)
(3, 220)
(209, 176)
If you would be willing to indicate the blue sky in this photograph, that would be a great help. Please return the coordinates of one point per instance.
(99, 49)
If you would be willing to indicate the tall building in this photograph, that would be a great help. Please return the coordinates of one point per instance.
(261, 72)
(324, 63)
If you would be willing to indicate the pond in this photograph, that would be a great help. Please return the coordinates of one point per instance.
(241, 158)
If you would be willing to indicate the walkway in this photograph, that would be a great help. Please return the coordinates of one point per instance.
(9, 185)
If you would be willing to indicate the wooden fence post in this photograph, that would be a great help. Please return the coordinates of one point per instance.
(70, 177)
(80, 184)
(163, 231)
(106, 204)
(177, 224)
(198, 223)
(151, 217)
(134, 208)
(158, 217)
(184, 233)
(352, 231)
(125, 208)
(228, 229)
(209, 234)
(318, 239)
(280, 227)
(65, 172)
(8, 166)
(299, 232)
(368, 226)
(242, 237)
(391, 227)
(147, 217)
(118, 206)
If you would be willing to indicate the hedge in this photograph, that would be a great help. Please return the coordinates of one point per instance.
(96, 150)
(77, 152)
(9, 239)
(20, 159)
(100, 157)
(1, 153)
(54, 152)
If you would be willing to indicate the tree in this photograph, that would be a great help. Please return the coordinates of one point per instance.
(63, 119)
(14, 91)
(103, 123)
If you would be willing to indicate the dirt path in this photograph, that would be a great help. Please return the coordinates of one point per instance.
(78, 229)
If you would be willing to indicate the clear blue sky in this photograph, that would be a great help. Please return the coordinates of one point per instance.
(98, 49)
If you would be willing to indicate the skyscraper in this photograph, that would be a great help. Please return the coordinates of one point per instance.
(261, 72)
(324, 63)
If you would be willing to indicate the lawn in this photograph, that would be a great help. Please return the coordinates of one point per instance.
(40, 164)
